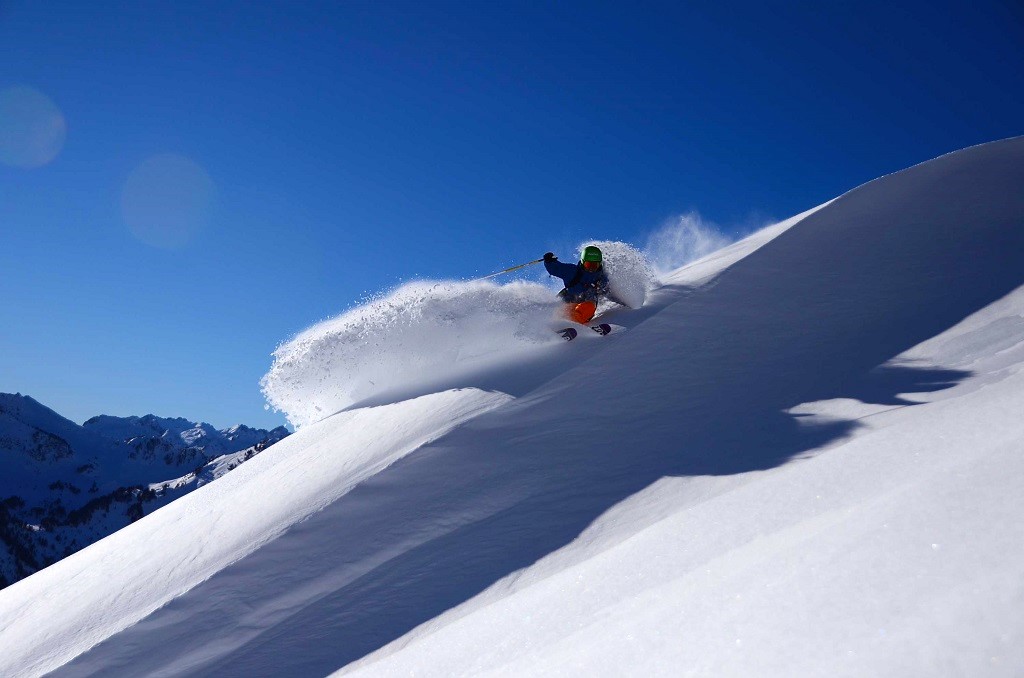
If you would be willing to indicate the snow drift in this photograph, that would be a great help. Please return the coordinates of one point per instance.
(803, 458)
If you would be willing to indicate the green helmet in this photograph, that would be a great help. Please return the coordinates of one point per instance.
(590, 253)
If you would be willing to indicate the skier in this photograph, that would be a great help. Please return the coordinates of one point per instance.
(585, 283)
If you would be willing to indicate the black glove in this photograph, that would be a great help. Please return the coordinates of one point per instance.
(548, 256)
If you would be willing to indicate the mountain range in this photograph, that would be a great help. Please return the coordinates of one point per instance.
(65, 485)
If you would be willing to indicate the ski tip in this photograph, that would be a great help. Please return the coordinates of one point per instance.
(569, 333)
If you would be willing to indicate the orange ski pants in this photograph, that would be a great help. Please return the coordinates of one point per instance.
(582, 312)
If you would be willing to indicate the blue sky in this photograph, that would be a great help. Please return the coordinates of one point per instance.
(310, 153)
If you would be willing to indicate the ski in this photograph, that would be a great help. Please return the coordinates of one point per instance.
(570, 333)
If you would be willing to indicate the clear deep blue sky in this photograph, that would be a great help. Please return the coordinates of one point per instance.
(318, 151)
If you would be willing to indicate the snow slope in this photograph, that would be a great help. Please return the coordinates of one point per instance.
(802, 459)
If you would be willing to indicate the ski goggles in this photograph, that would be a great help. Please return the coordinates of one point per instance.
(591, 265)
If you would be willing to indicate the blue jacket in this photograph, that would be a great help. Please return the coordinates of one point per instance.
(580, 284)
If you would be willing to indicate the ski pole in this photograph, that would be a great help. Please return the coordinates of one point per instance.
(507, 270)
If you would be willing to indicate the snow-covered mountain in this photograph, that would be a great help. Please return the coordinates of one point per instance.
(803, 457)
(158, 437)
(65, 486)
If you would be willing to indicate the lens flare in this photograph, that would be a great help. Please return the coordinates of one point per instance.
(32, 128)
(167, 200)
